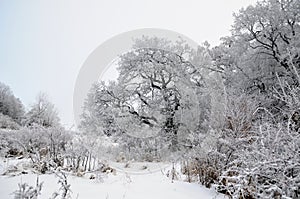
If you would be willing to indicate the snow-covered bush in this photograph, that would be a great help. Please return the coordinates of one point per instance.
(204, 168)
(9, 145)
(264, 163)
(26, 191)
(268, 168)
(7, 122)
(44, 146)
(222, 143)
(64, 190)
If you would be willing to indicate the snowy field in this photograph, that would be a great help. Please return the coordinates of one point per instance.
(135, 182)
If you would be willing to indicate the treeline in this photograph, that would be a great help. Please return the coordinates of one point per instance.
(11, 108)
(13, 115)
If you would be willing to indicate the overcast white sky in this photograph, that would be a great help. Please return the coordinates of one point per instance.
(44, 43)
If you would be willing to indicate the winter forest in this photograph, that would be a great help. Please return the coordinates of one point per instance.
(224, 118)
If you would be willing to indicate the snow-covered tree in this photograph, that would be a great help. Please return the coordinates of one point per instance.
(158, 93)
(272, 28)
(265, 44)
(42, 112)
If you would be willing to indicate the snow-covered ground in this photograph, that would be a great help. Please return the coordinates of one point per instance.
(135, 182)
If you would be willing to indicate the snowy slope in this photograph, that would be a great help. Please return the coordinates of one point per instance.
(128, 185)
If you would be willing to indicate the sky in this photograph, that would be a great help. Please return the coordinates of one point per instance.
(43, 44)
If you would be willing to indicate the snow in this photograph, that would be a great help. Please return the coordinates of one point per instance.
(134, 182)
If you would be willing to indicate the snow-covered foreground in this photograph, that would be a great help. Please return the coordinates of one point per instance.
(129, 185)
